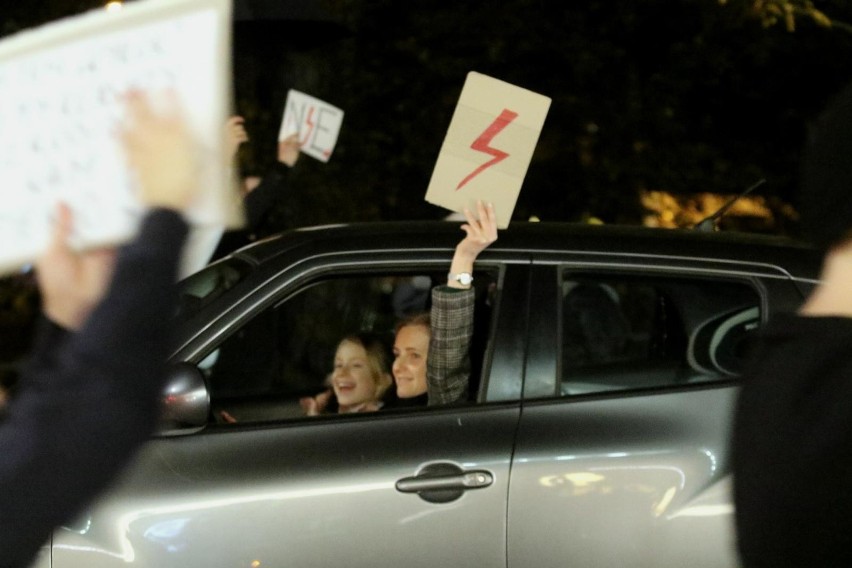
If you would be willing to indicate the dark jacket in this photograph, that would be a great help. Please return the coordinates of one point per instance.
(258, 205)
(792, 446)
(88, 400)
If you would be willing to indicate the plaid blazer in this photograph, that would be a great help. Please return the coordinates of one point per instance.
(448, 363)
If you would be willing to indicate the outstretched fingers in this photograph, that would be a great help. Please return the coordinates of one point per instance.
(480, 230)
(63, 225)
(488, 221)
(160, 150)
(483, 228)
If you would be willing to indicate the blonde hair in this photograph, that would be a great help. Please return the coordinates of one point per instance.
(377, 359)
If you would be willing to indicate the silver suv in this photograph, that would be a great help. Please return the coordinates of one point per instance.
(605, 368)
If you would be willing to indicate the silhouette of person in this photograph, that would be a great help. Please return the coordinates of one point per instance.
(88, 397)
(792, 443)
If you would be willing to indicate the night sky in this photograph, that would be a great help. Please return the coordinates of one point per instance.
(683, 97)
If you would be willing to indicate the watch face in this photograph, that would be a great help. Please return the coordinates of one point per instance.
(464, 278)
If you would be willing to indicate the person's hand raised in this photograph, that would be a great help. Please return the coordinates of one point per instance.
(315, 405)
(289, 149)
(71, 283)
(235, 135)
(161, 151)
(480, 231)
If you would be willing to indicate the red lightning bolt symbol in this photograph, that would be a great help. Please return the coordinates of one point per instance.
(481, 144)
(310, 124)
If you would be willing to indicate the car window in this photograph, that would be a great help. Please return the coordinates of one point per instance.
(624, 332)
(198, 290)
(260, 372)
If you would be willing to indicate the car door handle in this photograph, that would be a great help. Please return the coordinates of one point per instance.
(444, 482)
(468, 480)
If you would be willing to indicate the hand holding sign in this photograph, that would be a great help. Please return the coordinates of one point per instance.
(316, 122)
(71, 283)
(235, 136)
(488, 146)
(61, 90)
(161, 152)
(288, 150)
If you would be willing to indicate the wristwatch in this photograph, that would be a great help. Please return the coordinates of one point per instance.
(463, 278)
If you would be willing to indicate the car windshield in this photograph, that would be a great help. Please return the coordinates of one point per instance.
(200, 289)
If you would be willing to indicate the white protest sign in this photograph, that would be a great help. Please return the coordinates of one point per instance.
(488, 147)
(60, 106)
(315, 121)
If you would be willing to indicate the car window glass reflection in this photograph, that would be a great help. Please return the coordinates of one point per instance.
(200, 289)
(628, 332)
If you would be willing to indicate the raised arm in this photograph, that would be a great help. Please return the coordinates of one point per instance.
(235, 136)
(88, 399)
(448, 363)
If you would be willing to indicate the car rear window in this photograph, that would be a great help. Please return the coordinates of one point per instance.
(623, 332)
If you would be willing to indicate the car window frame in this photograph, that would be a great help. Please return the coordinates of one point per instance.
(543, 377)
(291, 281)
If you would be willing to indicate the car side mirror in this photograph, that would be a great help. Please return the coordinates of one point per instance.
(185, 403)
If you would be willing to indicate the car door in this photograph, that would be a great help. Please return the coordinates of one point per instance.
(622, 459)
(424, 487)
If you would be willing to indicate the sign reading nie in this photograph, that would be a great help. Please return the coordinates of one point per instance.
(316, 122)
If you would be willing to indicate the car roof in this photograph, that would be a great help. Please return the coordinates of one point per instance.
(796, 258)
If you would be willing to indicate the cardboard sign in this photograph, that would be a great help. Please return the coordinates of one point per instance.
(488, 147)
(60, 104)
(316, 122)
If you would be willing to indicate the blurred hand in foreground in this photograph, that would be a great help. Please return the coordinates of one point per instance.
(161, 151)
(71, 282)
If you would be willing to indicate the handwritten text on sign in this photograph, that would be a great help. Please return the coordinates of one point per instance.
(61, 105)
(492, 119)
(316, 122)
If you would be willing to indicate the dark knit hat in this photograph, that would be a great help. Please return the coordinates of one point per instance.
(826, 175)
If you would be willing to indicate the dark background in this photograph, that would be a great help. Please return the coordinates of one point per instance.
(680, 96)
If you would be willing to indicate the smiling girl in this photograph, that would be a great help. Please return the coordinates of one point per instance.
(358, 380)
